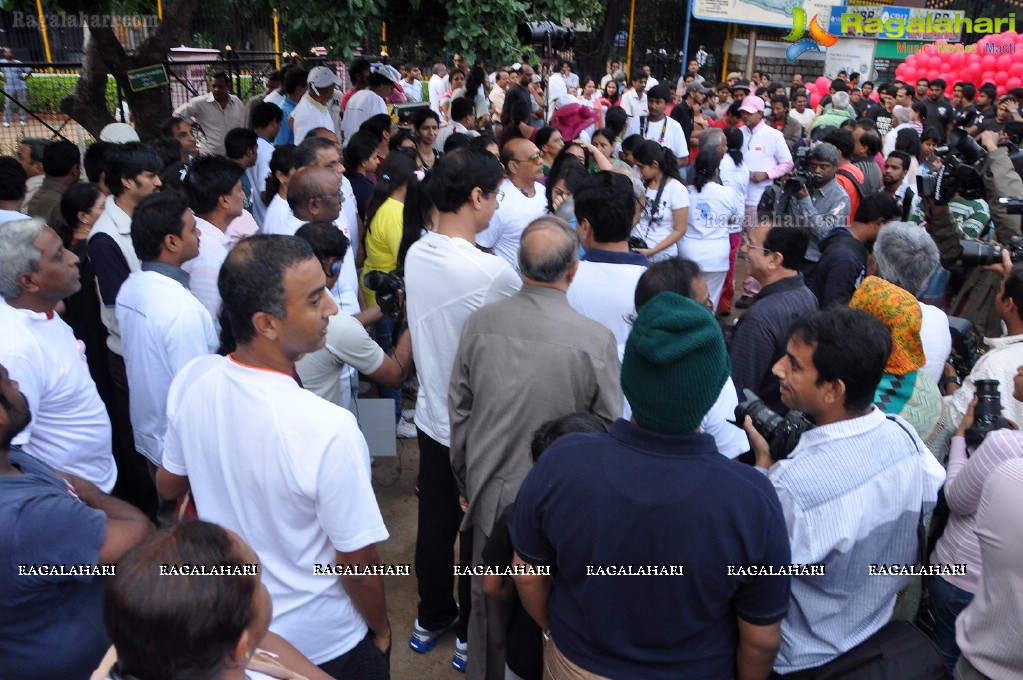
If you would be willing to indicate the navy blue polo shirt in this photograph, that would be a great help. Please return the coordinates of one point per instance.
(641, 500)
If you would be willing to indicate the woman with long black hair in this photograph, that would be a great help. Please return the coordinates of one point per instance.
(666, 212)
(275, 196)
(361, 165)
(427, 125)
(735, 175)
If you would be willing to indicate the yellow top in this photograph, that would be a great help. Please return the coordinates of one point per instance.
(382, 243)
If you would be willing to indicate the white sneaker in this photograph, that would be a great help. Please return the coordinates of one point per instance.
(405, 430)
(408, 414)
(7, 125)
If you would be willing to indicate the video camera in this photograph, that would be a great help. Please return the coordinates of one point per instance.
(987, 415)
(801, 175)
(782, 434)
(387, 286)
(961, 160)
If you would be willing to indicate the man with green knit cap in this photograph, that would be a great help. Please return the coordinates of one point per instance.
(654, 498)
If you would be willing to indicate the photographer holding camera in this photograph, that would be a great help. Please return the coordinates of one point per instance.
(830, 483)
(1004, 353)
(976, 297)
(814, 193)
(959, 543)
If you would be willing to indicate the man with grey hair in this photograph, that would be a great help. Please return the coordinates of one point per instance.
(902, 119)
(437, 86)
(70, 429)
(907, 256)
(824, 203)
(507, 348)
(839, 112)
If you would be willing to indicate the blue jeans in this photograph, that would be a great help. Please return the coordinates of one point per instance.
(383, 329)
(947, 601)
(21, 96)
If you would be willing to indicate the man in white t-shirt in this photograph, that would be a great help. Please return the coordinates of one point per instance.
(523, 201)
(163, 326)
(312, 111)
(663, 129)
(447, 278)
(634, 102)
(437, 86)
(70, 429)
(412, 83)
(215, 195)
(348, 343)
(604, 285)
(370, 102)
(266, 121)
(286, 470)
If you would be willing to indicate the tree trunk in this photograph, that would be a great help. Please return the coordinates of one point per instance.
(103, 53)
(593, 49)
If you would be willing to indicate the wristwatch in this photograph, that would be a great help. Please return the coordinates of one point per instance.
(951, 379)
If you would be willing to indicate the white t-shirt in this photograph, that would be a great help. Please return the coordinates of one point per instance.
(513, 215)
(309, 115)
(446, 280)
(413, 90)
(669, 134)
(257, 176)
(163, 327)
(436, 88)
(11, 216)
(736, 178)
(713, 213)
(936, 340)
(70, 429)
(361, 106)
(604, 289)
(657, 222)
(290, 473)
(278, 217)
(804, 118)
(205, 269)
(348, 343)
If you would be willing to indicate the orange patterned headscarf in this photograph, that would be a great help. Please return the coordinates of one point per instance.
(900, 312)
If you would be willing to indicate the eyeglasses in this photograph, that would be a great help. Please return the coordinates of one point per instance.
(746, 241)
(496, 192)
(534, 158)
(340, 196)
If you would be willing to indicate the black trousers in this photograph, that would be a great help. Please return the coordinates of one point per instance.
(134, 483)
(439, 519)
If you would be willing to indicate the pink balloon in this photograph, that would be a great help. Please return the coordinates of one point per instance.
(823, 84)
(815, 99)
(1001, 77)
(1004, 61)
(957, 59)
(936, 63)
(1016, 69)
(874, 96)
(989, 62)
(1013, 82)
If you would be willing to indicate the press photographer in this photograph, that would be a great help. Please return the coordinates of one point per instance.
(812, 192)
(1004, 353)
(829, 484)
(964, 165)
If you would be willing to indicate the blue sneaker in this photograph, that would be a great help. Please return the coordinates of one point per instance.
(423, 640)
(461, 657)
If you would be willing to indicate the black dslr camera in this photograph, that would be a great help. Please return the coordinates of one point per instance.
(801, 175)
(961, 160)
(782, 434)
(966, 346)
(977, 253)
(387, 286)
(637, 243)
(987, 416)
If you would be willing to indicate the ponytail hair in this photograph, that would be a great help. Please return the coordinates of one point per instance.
(705, 168)
(398, 170)
(283, 161)
(734, 141)
(649, 152)
(417, 216)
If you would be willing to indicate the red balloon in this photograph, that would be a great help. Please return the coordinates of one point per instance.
(989, 62)
(1016, 69)
(1001, 77)
(1004, 61)
(815, 99)
(1014, 82)
(823, 83)
(958, 59)
(909, 75)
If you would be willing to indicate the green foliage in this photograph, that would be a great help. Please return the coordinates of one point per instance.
(46, 90)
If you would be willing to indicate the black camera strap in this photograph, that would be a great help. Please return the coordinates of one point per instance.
(655, 210)
(921, 530)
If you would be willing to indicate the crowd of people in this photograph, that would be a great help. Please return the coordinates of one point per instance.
(548, 268)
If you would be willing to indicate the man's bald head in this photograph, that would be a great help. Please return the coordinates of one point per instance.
(313, 194)
(549, 250)
(517, 156)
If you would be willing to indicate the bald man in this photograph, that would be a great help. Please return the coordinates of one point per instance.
(507, 348)
(521, 199)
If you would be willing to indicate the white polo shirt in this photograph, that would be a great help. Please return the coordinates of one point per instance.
(604, 289)
(446, 280)
(278, 217)
(513, 215)
(635, 107)
(348, 344)
(163, 327)
(764, 150)
(70, 429)
(290, 473)
(361, 106)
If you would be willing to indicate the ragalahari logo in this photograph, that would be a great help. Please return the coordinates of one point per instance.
(818, 36)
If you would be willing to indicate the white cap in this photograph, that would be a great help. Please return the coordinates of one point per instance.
(321, 77)
(119, 133)
(389, 72)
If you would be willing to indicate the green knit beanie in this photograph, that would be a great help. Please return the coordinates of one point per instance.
(675, 364)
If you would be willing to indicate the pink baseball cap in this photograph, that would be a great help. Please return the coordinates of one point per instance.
(752, 104)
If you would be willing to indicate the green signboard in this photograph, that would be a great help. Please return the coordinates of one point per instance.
(147, 78)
